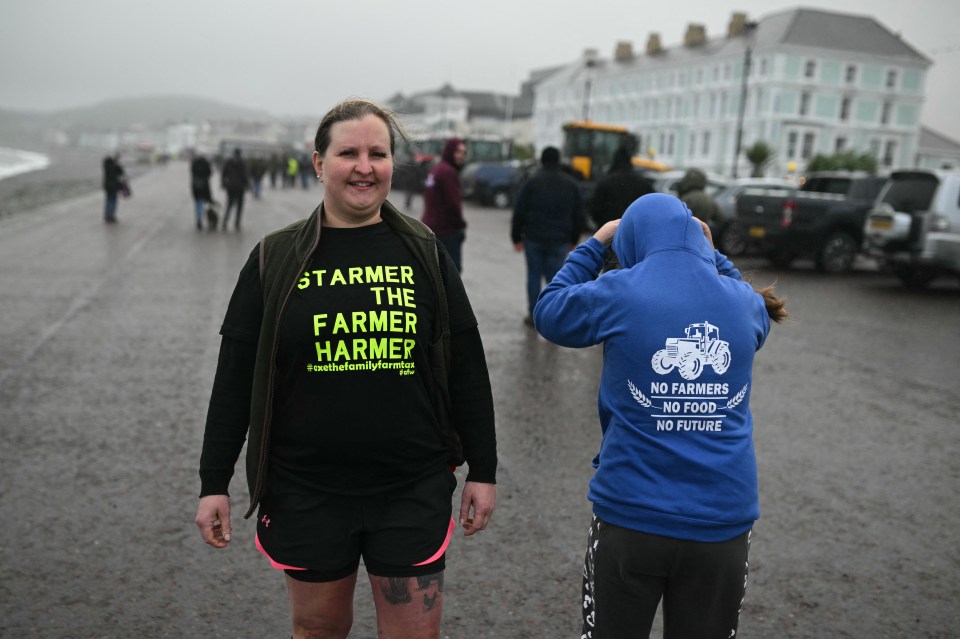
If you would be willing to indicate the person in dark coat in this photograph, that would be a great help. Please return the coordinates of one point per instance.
(234, 180)
(200, 172)
(547, 223)
(114, 181)
(691, 189)
(618, 189)
(442, 202)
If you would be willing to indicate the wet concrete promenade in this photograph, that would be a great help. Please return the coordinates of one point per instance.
(108, 344)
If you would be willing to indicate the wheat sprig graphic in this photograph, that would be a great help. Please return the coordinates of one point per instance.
(637, 395)
(736, 399)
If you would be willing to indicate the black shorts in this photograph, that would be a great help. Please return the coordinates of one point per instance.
(321, 537)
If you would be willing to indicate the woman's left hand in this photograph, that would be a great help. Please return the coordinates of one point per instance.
(605, 233)
(481, 499)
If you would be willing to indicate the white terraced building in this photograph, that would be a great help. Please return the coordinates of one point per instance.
(818, 82)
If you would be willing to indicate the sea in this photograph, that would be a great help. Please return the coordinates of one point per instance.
(14, 162)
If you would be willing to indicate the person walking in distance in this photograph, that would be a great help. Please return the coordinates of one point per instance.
(547, 223)
(674, 492)
(200, 173)
(618, 189)
(355, 302)
(692, 190)
(114, 182)
(442, 203)
(234, 179)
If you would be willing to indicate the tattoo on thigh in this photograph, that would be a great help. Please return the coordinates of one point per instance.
(423, 583)
(396, 590)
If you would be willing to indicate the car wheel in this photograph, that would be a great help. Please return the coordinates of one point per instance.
(732, 242)
(501, 199)
(837, 253)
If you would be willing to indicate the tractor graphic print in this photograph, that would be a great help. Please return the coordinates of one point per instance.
(702, 346)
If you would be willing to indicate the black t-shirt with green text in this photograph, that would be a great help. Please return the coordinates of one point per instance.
(353, 410)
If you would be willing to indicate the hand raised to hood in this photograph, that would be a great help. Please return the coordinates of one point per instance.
(605, 233)
(706, 231)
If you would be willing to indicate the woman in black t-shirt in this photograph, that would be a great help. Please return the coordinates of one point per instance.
(327, 363)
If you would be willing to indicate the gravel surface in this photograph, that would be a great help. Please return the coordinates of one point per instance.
(110, 341)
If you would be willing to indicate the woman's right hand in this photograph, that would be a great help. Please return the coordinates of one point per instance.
(213, 520)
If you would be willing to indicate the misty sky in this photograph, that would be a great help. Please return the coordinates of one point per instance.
(298, 57)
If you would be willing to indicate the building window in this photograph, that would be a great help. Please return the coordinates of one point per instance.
(763, 66)
(758, 103)
(670, 144)
(726, 72)
(792, 144)
(804, 102)
(839, 144)
(891, 78)
(888, 152)
(809, 69)
(723, 105)
(696, 109)
(851, 74)
(713, 105)
(699, 76)
(693, 143)
(845, 109)
(885, 113)
(706, 143)
(808, 139)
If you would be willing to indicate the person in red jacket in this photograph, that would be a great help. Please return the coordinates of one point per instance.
(442, 203)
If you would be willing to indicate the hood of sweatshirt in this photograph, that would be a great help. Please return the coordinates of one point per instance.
(658, 222)
(449, 148)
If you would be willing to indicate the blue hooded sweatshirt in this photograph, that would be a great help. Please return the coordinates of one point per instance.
(679, 332)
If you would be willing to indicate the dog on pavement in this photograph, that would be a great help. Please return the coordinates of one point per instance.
(213, 215)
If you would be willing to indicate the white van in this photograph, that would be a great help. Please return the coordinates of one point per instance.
(914, 227)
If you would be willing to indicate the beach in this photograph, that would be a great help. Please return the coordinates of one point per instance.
(68, 172)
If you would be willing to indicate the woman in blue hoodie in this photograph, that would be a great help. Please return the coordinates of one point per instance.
(675, 489)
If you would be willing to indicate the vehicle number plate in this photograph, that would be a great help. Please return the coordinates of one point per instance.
(881, 225)
(757, 231)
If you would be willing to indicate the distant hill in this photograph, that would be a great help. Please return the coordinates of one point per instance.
(26, 129)
(153, 111)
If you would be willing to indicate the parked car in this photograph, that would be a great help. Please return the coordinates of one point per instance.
(666, 181)
(823, 219)
(727, 235)
(495, 183)
(914, 229)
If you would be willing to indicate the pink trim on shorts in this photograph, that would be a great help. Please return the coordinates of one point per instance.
(272, 562)
(443, 547)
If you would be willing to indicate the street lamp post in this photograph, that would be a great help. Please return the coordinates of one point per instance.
(747, 60)
(587, 81)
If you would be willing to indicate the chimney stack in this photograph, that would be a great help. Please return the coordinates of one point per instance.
(737, 25)
(623, 51)
(653, 44)
(696, 35)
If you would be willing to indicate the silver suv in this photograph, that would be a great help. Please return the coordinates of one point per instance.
(914, 227)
